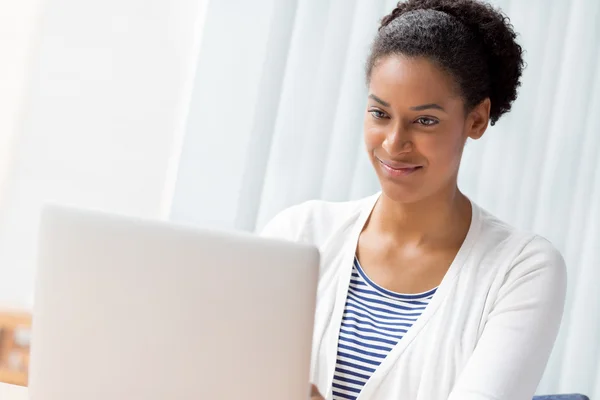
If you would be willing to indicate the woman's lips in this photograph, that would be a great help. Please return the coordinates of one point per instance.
(399, 169)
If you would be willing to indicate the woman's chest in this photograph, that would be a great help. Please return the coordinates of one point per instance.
(404, 269)
(433, 351)
(425, 362)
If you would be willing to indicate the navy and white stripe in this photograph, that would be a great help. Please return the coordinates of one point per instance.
(374, 320)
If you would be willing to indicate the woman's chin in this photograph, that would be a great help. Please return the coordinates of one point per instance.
(400, 193)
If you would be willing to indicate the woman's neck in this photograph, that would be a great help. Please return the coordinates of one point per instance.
(439, 218)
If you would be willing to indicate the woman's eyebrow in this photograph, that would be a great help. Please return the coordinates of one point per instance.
(428, 107)
(377, 99)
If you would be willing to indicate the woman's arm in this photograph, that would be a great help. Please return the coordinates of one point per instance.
(511, 355)
(288, 224)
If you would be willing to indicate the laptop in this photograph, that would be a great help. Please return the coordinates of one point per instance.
(134, 309)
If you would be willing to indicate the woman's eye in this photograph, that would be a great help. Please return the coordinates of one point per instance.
(377, 114)
(426, 121)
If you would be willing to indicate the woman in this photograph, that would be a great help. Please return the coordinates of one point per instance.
(422, 294)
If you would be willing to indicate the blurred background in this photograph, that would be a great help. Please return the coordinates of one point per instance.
(221, 113)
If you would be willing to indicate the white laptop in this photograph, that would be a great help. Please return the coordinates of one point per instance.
(129, 309)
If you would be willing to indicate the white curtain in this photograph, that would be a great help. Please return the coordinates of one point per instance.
(17, 27)
(93, 98)
(276, 119)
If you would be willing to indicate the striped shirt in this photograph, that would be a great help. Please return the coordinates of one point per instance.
(374, 320)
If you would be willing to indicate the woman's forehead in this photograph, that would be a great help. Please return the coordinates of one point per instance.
(400, 79)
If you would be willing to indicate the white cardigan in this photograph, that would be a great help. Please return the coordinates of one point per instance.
(488, 331)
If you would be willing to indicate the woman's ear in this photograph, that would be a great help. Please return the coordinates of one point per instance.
(478, 119)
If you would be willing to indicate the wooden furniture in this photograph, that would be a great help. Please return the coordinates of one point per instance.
(15, 330)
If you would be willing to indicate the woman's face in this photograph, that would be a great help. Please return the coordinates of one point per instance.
(415, 127)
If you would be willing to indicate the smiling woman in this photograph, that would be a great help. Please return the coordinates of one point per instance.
(416, 123)
(423, 294)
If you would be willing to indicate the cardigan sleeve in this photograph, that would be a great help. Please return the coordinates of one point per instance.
(279, 227)
(289, 224)
(511, 354)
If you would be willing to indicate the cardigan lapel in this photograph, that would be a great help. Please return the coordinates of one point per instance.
(344, 272)
(445, 287)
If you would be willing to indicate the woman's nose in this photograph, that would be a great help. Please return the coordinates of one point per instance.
(397, 141)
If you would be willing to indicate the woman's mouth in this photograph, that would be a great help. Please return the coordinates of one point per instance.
(399, 169)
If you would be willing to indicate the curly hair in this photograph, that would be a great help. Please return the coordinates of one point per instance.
(469, 39)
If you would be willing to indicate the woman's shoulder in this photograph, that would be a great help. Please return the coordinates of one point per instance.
(314, 220)
(526, 251)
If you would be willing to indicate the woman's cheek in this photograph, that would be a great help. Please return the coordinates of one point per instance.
(444, 154)
(373, 137)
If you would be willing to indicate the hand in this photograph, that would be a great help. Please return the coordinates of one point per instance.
(314, 394)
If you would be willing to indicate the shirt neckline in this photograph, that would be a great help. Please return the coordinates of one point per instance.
(390, 293)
